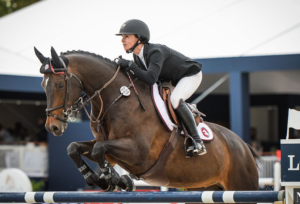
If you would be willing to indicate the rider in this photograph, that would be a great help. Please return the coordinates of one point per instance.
(155, 62)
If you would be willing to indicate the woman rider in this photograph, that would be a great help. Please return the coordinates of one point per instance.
(155, 62)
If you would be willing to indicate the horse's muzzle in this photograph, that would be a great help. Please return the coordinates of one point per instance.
(56, 128)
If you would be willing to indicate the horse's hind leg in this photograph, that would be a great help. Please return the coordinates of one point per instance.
(75, 150)
(210, 188)
(242, 178)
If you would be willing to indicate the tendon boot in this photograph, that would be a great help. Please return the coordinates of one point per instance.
(188, 121)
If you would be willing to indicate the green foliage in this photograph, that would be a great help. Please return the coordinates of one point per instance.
(9, 6)
(37, 185)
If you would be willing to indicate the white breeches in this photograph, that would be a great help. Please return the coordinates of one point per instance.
(185, 88)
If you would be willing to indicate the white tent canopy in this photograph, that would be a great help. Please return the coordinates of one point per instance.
(198, 29)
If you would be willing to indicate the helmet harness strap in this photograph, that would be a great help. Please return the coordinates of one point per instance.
(134, 46)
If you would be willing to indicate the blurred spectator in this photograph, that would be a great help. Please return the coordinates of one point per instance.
(255, 143)
(41, 135)
(5, 135)
(20, 132)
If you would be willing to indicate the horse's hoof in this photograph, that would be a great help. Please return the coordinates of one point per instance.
(130, 186)
(115, 179)
(111, 188)
(98, 181)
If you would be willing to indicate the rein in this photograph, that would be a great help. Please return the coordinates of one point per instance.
(81, 103)
(84, 103)
(67, 109)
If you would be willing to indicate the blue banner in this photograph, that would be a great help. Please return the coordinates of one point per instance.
(290, 159)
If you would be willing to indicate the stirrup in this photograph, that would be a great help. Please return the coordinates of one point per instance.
(199, 150)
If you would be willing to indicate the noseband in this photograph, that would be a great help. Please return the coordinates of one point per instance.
(67, 111)
(80, 103)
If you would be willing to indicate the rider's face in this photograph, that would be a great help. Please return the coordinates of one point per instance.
(128, 41)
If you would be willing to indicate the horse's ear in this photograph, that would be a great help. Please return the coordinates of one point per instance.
(56, 60)
(39, 55)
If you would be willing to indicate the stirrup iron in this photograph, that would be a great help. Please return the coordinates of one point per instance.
(197, 148)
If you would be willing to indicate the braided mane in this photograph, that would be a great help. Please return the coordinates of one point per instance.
(87, 53)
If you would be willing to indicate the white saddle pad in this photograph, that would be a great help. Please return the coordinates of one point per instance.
(204, 131)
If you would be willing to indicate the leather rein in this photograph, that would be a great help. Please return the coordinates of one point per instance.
(69, 110)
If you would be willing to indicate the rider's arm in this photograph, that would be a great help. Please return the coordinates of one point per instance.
(149, 76)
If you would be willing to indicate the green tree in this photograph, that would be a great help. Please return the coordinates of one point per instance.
(9, 6)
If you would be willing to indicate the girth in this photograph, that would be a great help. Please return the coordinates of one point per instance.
(156, 175)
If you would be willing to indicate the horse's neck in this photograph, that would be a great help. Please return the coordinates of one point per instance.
(94, 76)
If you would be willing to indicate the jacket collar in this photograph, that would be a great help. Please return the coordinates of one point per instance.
(138, 61)
(146, 50)
(145, 54)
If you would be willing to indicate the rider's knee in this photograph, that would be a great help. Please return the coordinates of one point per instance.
(175, 100)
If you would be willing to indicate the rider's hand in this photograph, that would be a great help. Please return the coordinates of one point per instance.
(124, 63)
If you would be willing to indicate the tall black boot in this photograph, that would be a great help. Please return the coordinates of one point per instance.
(188, 121)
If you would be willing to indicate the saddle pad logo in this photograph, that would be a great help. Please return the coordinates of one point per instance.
(204, 132)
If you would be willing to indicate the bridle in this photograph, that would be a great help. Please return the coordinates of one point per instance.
(67, 109)
(80, 103)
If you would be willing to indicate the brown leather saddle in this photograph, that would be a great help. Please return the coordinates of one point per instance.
(165, 93)
(156, 175)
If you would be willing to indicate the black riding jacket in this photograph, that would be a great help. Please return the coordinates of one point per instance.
(163, 64)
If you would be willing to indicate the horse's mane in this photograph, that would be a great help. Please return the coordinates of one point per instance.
(88, 53)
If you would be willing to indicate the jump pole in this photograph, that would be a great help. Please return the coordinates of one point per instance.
(144, 197)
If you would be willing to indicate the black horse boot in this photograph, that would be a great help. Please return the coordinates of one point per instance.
(189, 123)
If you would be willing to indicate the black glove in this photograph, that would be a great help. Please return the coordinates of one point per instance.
(123, 63)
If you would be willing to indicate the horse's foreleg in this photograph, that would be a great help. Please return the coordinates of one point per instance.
(75, 150)
(122, 149)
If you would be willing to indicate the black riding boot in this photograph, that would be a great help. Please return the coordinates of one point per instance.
(188, 121)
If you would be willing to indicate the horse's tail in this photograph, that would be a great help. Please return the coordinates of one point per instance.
(254, 154)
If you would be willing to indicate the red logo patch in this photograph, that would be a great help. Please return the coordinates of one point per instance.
(204, 132)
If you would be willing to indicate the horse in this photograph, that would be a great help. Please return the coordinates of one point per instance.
(127, 135)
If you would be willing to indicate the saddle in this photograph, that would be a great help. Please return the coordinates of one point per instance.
(156, 175)
(165, 93)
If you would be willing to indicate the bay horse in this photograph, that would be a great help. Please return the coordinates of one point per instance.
(127, 135)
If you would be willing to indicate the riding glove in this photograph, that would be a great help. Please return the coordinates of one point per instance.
(149, 77)
(123, 63)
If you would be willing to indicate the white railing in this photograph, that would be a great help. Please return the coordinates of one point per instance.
(269, 172)
(31, 159)
(266, 166)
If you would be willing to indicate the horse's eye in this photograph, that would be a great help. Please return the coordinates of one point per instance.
(60, 85)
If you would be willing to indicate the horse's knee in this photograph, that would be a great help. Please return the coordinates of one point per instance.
(73, 149)
(98, 151)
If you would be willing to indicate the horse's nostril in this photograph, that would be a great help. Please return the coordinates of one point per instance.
(54, 128)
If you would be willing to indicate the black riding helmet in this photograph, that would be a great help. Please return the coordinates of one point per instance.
(137, 28)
